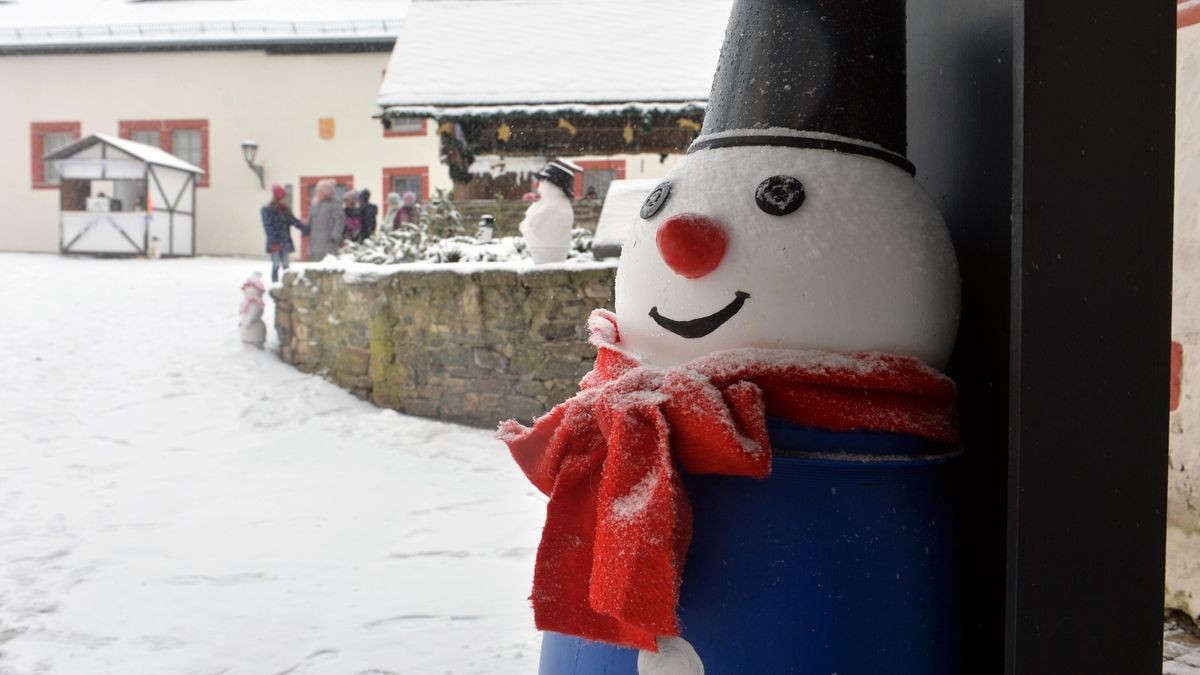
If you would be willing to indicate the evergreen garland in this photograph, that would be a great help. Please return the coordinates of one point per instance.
(460, 134)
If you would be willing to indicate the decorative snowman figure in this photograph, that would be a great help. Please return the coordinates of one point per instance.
(254, 331)
(782, 306)
(548, 221)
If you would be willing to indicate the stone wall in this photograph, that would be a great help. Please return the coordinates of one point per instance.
(474, 347)
(509, 213)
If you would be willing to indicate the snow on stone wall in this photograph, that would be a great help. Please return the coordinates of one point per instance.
(473, 345)
(1183, 497)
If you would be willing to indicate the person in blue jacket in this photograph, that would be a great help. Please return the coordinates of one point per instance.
(277, 219)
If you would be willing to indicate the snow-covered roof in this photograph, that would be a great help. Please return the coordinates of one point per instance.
(146, 153)
(107, 24)
(622, 204)
(481, 57)
(495, 165)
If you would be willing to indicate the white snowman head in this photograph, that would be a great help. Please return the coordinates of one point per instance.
(781, 247)
(556, 180)
(795, 221)
(253, 286)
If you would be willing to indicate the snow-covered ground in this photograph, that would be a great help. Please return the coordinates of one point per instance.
(174, 503)
(1181, 645)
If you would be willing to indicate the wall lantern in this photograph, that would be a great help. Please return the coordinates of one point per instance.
(249, 150)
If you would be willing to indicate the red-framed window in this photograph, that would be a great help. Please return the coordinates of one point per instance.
(186, 139)
(407, 126)
(308, 184)
(47, 137)
(597, 174)
(401, 179)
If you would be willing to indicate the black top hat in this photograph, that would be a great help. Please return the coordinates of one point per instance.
(814, 74)
(560, 172)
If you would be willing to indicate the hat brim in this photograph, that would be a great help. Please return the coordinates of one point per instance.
(847, 145)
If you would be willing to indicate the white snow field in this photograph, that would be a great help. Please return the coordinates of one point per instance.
(173, 503)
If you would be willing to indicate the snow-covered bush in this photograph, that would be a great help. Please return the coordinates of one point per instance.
(440, 219)
(439, 236)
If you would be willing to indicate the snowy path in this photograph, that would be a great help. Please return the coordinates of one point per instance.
(172, 503)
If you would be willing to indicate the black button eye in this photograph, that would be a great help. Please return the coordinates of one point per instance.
(779, 195)
(655, 200)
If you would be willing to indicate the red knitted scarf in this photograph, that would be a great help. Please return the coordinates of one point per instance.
(618, 522)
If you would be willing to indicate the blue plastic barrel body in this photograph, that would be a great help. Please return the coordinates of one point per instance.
(846, 564)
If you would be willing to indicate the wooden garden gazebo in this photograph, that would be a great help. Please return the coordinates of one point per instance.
(120, 197)
(579, 91)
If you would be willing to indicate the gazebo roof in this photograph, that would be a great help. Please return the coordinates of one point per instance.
(555, 77)
(530, 57)
(145, 153)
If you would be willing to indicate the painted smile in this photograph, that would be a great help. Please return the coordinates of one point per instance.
(698, 328)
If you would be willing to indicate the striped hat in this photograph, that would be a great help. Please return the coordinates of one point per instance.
(561, 173)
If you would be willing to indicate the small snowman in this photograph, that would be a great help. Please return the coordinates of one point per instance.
(548, 221)
(788, 282)
(254, 331)
(485, 229)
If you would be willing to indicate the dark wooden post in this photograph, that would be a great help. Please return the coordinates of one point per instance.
(1045, 133)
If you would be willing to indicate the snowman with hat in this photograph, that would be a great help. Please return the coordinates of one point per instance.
(548, 221)
(757, 474)
(251, 326)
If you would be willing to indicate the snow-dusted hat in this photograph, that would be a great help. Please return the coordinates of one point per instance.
(255, 280)
(561, 172)
(823, 74)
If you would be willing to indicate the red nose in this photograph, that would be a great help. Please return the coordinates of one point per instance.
(691, 245)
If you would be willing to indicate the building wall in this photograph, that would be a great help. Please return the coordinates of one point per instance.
(1183, 500)
(276, 100)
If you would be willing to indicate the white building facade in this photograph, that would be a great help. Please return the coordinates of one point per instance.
(306, 80)
(302, 87)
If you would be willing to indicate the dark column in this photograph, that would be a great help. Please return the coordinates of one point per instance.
(1091, 312)
(1045, 133)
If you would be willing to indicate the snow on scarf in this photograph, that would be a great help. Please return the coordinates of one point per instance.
(251, 300)
(618, 522)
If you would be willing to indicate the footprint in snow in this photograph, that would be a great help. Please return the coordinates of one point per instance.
(226, 580)
(395, 619)
(319, 656)
(431, 554)
(162, 643)
(420, 617)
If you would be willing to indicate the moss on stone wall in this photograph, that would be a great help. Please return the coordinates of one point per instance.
(473, 348)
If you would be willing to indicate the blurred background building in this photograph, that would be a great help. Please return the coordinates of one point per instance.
(470, 100)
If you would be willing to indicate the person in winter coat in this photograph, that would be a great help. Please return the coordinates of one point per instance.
(389, 214)
(326, 222)
(278, 221)
(370, 214)
(353, 212)
(408, 212)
